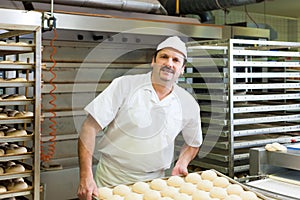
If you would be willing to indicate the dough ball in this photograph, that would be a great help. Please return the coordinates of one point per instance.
(2, 152)
(205, 185)
(17, 168)
(104, 192)
(200, 195)
(208, 175)
(169, 192)
(3, 115)
(140, 187)
(2, 133)
(248, 195)
(16, 133)
(158, 184)
(116, 197)
(233, 197)
(217, 192)
(166, 198)
(21, 185)
(181, 196)
(152, 195)
(133, 196)
(193, 178)
(2, 189)
(279, 147)
(221, 182)
(234, 189)
(1, 170)
(187, 188)
(175, 181)
(16, 150)
(121, 190)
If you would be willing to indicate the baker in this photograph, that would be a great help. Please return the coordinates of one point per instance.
(142, 115)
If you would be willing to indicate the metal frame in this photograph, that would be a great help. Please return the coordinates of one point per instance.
(249, 113)
(18, 30)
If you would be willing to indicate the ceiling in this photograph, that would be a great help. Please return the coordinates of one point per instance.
(285, 8)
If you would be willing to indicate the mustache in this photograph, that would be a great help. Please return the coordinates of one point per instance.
(168, 69)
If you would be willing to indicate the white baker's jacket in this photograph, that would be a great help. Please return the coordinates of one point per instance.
(141, 129)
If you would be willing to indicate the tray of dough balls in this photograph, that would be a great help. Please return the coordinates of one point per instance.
(14, 114)
(14, 185)
(11, 149)
(7, 132)
(14, 169)
(203, 185)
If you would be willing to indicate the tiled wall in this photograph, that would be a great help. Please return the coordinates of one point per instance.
(284, 29)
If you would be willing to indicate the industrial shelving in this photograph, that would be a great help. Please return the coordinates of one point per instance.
(248, 91)
(22, 60)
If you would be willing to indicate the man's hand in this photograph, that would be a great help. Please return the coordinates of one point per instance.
(86, 189)
(179, 170)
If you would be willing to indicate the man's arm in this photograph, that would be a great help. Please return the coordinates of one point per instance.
(187, 154)
(86, 146)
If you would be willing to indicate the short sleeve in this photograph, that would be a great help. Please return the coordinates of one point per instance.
(106, 105)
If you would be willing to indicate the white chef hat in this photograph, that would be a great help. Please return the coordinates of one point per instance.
(175, 43)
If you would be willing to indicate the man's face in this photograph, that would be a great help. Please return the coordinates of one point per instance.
(168, 65)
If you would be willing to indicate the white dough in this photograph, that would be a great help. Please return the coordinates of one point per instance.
(233, 197)
(209, 175)
(200, 195)
(140, 187)
(2, 189)
(133, 196)
(166, 198)
(152, 195)
(169, 192)
(116, 197)
(221, 182)
(193, 178)
(248, 195)
(121, 190)
(217, 192)
(175, 181)
(104, 192)
(205, 185)
(181, 196)
(187, 188)
(158, 184)
(234, 189)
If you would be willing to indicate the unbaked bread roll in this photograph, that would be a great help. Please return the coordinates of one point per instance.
(16, 150)
(208, 175)
(169, 192)
(200, 195)
(7, 61)
(221, 182)
(234, 189)
(16, 133)
(175, 181)
(181, 196)
(21, 185)
(233, 197)
(2, 152)
(16, 97)
(104, 192)
(166, 198)
(187, 188)
(2, 42)
(24, 114)
(152, 195)
(2, 134)
(1, 170)
(121, 190)
(3, 115)
(248, 195)
(158, 184)
(205, 185)
(116, 197)
(2, 189)
(12, 113)
(17, 168)
(19, 79)
(133, 196)
(140, 187)
(193, 178)
(217, 192)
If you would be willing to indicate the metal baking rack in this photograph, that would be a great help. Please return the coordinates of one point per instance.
(248, 91)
